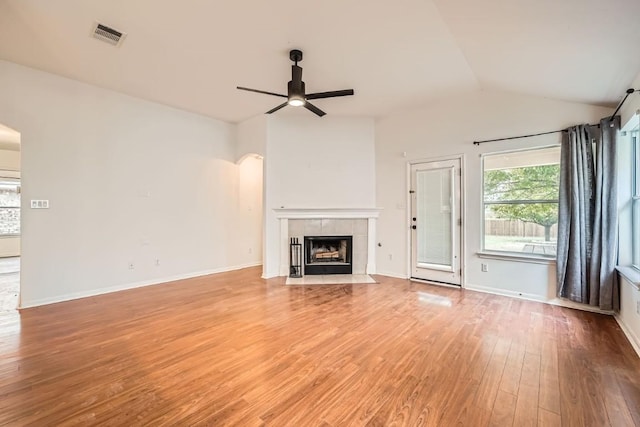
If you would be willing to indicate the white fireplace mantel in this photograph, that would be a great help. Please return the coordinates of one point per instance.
(285, 214)
(322, 213)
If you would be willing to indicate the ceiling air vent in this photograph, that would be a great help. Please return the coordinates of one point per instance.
(108, 34)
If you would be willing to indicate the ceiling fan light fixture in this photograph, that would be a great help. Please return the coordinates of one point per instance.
(296, 94)
(296, 101)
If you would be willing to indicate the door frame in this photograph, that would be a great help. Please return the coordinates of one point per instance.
(463, 228)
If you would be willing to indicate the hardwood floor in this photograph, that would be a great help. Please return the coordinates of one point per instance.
(233, 349)
(9, 283)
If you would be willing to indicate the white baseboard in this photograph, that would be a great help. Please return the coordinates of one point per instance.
(633, 338)
(270, 275)
(506, 293)
(116, 288)
(538, 298)
(577, 306)
(394, 275)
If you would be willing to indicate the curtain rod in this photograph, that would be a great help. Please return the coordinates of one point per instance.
(629, 92)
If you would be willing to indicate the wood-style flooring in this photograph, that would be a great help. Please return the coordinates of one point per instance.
(233, 349)
(9, 283)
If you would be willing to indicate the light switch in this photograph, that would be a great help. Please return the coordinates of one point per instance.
(39, 204)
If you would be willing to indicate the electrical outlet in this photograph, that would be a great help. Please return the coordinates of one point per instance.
(130, 266)
(157, 262)
(484, 267)
(390, 257)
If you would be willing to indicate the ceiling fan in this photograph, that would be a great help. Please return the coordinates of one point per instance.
(296, 96)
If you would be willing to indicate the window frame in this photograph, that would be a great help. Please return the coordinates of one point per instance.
(18, 182)
(635, 196)
(501, 254)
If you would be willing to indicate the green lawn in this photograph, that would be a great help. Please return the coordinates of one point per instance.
(513, 243)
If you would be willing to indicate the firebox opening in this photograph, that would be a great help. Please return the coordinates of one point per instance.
(328, 254)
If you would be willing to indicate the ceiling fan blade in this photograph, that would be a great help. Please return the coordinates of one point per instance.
(261, 91)
(314, 109)
(273, 110)
(331, 94)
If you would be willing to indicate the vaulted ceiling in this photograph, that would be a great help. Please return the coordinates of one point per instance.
(396, 55)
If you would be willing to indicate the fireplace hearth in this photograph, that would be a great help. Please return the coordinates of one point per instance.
(328, 255)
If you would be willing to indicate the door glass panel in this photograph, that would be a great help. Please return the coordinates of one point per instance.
(434, 217)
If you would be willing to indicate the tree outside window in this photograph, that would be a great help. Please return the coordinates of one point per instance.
(521, 201)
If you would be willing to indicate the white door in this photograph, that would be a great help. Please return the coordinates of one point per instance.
(436, 221)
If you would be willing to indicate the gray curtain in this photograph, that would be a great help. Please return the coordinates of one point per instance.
(587, 215)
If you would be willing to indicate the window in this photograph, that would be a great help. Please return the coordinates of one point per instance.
(635, 176)
(9, 207)
(520, 198)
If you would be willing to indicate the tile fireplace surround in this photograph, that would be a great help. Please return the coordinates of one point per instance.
(359, 223)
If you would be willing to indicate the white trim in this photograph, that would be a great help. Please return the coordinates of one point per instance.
(436, 159)
(434, 283)
(393, 275)
(371, 246)
(482, 202)
(538, 298)
(506, 293)
(628, 332)
(116, 288)
(409, 211)
(463, 196)
(631, 274)
(284, 247)
(285, 214)
(269, 275)
(463, 228)
(511, 150)
(329, 213)
(577, 306)
(512, 256)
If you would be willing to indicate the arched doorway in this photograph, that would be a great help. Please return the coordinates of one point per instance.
(10, 186)
(250, 198)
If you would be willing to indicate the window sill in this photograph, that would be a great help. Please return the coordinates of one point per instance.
(631, 274)
(508, 256)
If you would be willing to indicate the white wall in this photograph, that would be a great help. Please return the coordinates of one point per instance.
(132, 181)
(129, 181)
(628, 317)
(9, 160)
(315, 162)
(9, 247)
(251, 137)
(248, 233)
(449, 128)
(632, 104)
